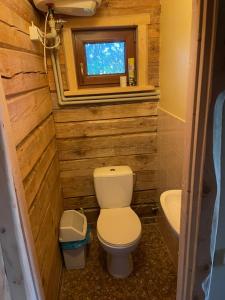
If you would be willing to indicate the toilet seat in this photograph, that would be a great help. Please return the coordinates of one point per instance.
(118, 227)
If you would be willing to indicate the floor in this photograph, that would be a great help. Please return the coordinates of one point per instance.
(153, 278)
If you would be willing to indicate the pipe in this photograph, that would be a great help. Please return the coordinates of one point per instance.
(62, 100)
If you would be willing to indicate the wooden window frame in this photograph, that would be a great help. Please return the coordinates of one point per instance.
(140, 21)
(81, 37)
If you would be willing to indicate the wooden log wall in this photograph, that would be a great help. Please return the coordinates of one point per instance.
(112, 134)
(30, 108)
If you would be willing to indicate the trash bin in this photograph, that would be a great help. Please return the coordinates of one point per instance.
(73, 238)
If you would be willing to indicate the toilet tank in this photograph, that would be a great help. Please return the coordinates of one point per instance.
(113, 186)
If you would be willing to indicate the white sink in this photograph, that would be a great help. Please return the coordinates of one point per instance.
(171, 206)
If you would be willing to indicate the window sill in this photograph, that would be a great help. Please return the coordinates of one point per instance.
(109, 90)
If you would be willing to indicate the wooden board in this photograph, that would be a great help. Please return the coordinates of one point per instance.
(23, 83)
(54, 246)
(70, 149)
(33, 182)
(51, 79)
(27, 111)
(14, 30)
(11, 18)
(47, 240)
(25, 10)
(106, 127)
(16, 238)
(15, 62)
(45, 198)
(84, 167)
(139, 197)
(30, 151)
(105, 112)
(75, 186)
(54, 280)
(111, 8)
(13, 38)
(30, 109)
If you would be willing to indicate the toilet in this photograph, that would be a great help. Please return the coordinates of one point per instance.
(118, 226)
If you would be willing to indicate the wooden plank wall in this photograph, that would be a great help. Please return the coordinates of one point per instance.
(113, 134)
(30, 108)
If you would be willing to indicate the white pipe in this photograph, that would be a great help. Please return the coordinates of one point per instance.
(62, 100)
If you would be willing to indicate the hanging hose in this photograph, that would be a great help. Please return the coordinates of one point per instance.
(44, 36)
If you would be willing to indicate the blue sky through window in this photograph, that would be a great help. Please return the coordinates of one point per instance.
(105, 58)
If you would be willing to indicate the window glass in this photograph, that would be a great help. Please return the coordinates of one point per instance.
(105, 58)
(102, 55)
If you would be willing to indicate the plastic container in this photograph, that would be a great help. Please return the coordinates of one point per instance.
(73, 226)
(73, 238)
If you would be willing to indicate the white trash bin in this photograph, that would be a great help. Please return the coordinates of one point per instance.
(74, 236)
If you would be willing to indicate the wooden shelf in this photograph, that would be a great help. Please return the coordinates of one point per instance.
(109, 90)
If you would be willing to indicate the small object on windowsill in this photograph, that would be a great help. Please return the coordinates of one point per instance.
(131, 71)
(123, 81)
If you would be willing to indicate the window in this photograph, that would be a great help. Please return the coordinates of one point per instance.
(102, 55)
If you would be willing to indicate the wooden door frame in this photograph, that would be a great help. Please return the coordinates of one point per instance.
(15, 234)
(199, 187)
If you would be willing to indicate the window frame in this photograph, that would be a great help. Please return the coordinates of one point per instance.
(81, 37)
(141, 21)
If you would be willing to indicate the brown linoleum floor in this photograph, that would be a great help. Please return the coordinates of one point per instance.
(153, 278)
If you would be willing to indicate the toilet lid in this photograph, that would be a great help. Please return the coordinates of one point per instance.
(118, 226)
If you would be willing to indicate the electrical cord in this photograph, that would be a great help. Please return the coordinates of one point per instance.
(43, 40)
(45, 32)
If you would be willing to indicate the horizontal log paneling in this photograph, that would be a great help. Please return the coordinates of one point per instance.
(23, 82)
(70, 149)
(33, 181)
(146, 180)
(75, 186)
(106, 112)
(21, 71)
(30, 151)
(47, 242)
(113, 7)
(139, 197)
(11, 18)
(85, 167)
(105, 127)
(52, 285)
(51, 256)
(30, 109)
(46, 194)
(14, 30)
(44, 240)
(25, 10)
(102, 135)
(14, 62)
(13, 38)
(51, 80)
(27, 111)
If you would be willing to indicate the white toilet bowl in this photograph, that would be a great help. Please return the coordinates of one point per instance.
(118, 226)
(119, 232)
